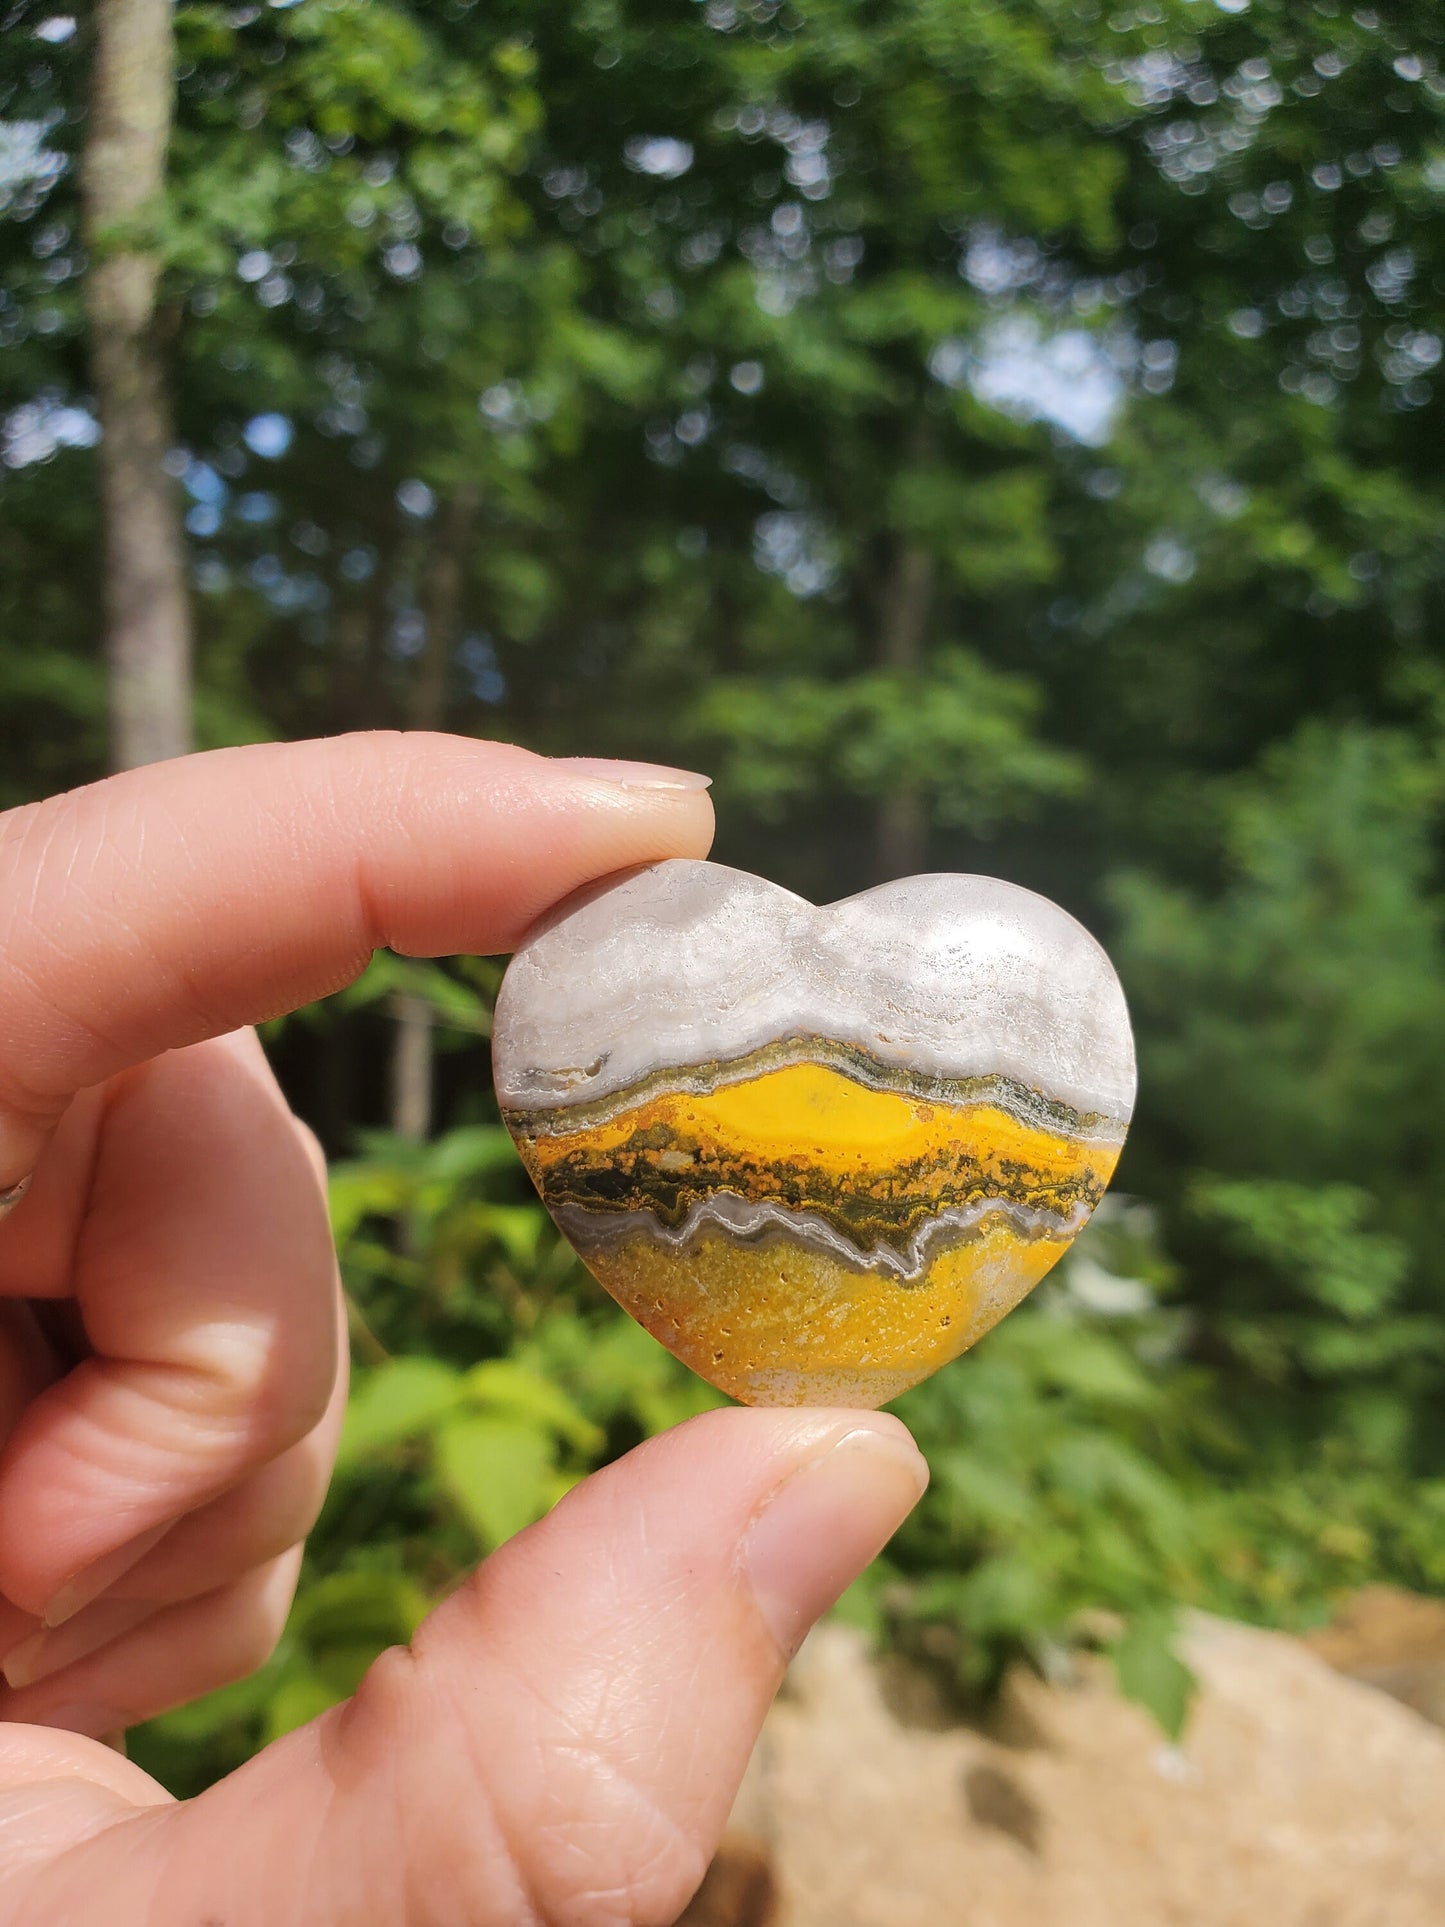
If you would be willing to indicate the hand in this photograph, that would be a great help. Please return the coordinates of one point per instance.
(562, 1741)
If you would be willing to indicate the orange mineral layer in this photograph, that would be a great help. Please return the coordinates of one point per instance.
(785, 1324)
(842, 1294)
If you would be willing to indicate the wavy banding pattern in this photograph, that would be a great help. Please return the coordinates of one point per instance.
(1021, 1101)
(764, 1223)
(878, 1165)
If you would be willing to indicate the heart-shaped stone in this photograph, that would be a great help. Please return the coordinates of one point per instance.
(817, 1152)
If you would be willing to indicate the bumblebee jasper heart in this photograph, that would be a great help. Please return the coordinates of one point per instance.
(817, 1152)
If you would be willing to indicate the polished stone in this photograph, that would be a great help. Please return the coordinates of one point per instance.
(817, 1152)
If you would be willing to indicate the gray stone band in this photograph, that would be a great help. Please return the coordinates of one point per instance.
(9, 1199)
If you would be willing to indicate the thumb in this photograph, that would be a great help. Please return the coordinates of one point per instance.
(563, 1740)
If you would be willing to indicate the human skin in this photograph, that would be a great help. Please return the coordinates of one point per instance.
(562, 1740)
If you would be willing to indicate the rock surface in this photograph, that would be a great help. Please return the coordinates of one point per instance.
(1393, 1640)
(1299, 1798)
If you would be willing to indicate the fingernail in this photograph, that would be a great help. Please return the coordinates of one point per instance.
(86, 1716)
(634, 776)
(98, 1578)
(830, 1519)
(46, 1652)
(17, 1667)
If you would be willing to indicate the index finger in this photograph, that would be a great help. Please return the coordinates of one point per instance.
(188, 899)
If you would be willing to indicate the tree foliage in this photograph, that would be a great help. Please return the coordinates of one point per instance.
(993, 437)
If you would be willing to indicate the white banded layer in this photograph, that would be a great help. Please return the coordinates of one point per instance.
(689, 964)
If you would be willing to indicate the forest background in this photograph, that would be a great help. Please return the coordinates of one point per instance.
(988, 434)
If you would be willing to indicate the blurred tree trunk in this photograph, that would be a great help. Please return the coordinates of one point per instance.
(411, 1069)
(412, 1101)
(147, 612)
(358, 692)
(902, 828)
(426, 707)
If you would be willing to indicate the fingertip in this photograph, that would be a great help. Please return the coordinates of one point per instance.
(641, 776)
(37, 1755)
(508, 834)
(817, 1532)
(652, 812)
(262, 877)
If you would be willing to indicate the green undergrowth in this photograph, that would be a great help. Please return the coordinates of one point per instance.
(1090, 1473)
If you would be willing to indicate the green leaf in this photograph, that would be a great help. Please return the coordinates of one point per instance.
(497, 1471)
(502, 1386)
(379, 1608)
(1094, 1367)
(366, 1189)
(453, 1004)
(304, 1695)
(397, 1401)
(517, 1228)
(471, 1151)
(1150, 1672)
